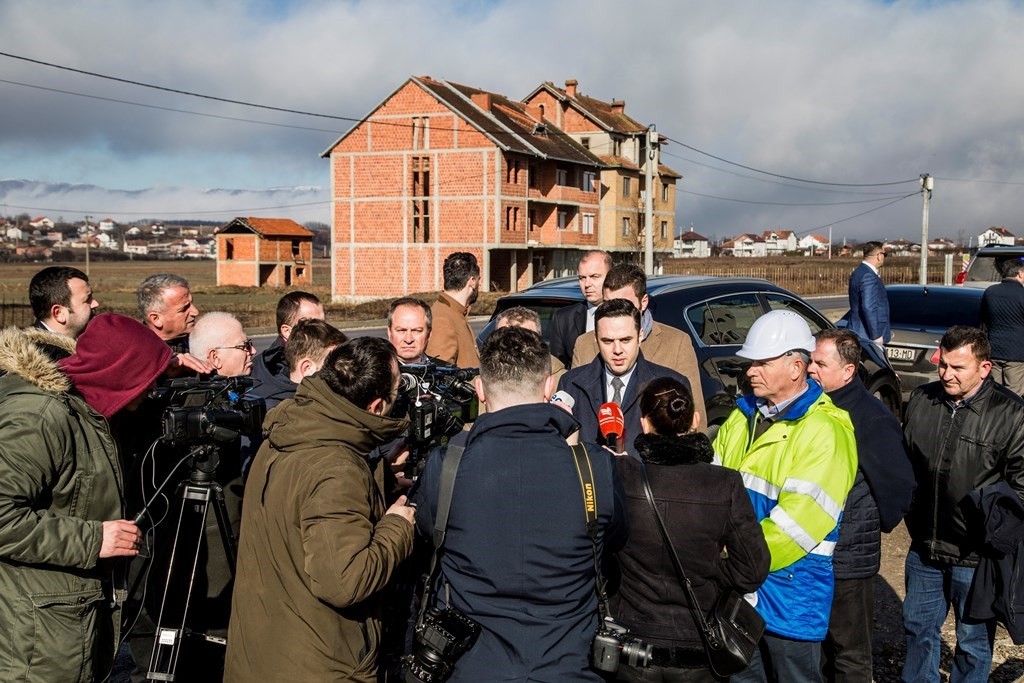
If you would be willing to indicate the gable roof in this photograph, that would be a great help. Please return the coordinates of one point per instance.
(692, 236)
(507, 124)
(604, 114)
(267, 227)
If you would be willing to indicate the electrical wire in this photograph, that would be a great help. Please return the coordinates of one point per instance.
(786, 177)
(749, 201)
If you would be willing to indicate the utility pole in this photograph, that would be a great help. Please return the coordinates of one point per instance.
(652, 144)
(830, 243)
(87, 246)
(927, 185)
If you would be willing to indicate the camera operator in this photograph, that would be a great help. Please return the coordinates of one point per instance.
(317, 543)
(517, 557)
(409, 324)
(62, 526)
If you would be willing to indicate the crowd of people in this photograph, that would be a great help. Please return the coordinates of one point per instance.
(536, 525)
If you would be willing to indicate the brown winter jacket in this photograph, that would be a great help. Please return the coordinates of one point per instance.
(451, 338)
(316, 546)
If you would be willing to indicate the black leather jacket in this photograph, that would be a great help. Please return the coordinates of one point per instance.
(955, 450)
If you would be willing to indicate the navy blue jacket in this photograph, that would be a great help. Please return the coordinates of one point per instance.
(517, 558)
(568, 323)
(586, 385)
(869, 305)
(1002, 317)
(998, 587)
(884, 486)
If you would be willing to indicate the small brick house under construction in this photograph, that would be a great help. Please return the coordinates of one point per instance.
(253, 252)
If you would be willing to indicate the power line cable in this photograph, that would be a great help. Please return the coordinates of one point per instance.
(749, 201)
(786, 177)
(862, 213)
(979, 180)
(170, 109)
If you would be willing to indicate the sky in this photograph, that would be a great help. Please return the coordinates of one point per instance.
(851, 94)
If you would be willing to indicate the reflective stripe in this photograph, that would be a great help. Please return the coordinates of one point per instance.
(758, 485)
(815, 492)
(825, 548)
(792, 529)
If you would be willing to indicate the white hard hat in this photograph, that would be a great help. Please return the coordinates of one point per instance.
(776, 333)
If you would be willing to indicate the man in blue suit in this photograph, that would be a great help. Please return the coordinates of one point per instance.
(616, 375)
(869, 306)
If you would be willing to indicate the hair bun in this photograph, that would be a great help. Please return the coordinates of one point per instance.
(677, 405)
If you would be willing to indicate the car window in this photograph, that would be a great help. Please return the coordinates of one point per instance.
(983, 269)
(724, 321)
(937, 308)
(781, 302)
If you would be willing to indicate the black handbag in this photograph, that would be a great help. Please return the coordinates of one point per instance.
(733, 628)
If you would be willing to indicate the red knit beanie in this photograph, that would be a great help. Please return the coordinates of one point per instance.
(115, 360)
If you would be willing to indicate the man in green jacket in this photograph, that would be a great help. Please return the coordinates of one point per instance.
(318, 542)
(62, 530)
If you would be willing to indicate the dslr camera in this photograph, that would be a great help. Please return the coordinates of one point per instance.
(203, 411)
(441, 637)
(612, 644)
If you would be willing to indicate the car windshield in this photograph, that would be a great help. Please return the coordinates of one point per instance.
(933, 308)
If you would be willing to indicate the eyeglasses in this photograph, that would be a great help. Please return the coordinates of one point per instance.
(246, 346)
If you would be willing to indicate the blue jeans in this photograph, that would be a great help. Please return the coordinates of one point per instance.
(781, 660)
(931, 589)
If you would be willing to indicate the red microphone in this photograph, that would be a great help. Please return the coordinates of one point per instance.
(612, 424)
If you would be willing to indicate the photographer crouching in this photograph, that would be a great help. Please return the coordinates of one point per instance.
(63, 535)
(517, 557)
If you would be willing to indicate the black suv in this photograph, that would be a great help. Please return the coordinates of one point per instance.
(717, 313)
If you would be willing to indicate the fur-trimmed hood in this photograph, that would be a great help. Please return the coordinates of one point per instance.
(685, 449)
(32, 354)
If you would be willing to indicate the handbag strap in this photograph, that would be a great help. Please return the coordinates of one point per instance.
(445, 488)
(698, 614)
(586, 474)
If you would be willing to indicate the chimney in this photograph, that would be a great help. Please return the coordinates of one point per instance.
(618, 106)
(482, 100)
(535, 111)
(570, 87)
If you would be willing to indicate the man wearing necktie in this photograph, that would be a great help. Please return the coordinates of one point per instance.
(616, 375)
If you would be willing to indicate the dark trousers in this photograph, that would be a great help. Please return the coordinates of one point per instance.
(664, 674)
(781, 660)
(846, 652)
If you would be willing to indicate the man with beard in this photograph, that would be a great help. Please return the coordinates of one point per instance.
(62, 300)
(451, 339)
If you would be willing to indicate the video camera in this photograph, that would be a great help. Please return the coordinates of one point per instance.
(201, 411)
(438, 400)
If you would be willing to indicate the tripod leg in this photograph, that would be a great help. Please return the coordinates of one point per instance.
(227, 537)
(181, 570)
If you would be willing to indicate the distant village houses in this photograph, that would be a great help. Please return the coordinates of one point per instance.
(996, 236)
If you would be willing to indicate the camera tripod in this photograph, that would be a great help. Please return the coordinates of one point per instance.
(195, 494)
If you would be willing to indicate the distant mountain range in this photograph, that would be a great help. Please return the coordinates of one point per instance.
(72, 202)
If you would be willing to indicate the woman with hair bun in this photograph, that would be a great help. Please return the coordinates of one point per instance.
(710, 521)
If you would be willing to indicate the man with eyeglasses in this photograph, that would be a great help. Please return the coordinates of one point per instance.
(219, 339)
(869, 305)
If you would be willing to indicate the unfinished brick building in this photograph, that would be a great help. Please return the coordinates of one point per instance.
(253, 252)
(439, 167)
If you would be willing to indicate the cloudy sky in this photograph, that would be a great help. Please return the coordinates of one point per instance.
(855, 93)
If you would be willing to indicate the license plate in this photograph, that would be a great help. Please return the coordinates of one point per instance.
(897, 353)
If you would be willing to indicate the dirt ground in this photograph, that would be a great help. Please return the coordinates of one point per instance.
(889, 647)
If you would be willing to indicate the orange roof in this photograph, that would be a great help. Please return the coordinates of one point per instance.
(270, 227)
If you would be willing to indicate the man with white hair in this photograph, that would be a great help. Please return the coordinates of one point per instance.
(797, 455)
(220, 340)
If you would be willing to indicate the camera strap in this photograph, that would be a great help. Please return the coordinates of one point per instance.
(445, 488)
(589, 490)
(698, 614)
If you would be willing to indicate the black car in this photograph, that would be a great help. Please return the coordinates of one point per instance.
(918, 316)
(717, 313)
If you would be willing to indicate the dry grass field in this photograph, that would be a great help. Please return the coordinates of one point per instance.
(114, 284)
